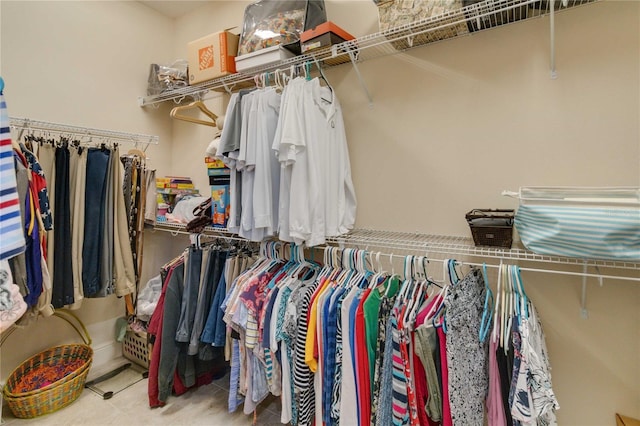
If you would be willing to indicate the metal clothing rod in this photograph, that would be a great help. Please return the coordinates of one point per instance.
(65, 129)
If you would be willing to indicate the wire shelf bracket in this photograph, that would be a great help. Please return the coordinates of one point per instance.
(352, 57)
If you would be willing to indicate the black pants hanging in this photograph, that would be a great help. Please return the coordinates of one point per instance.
(62, 291)
(94, 219)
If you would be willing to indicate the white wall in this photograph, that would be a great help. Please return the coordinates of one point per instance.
(211, 17)
(452, 125)
(84, 64)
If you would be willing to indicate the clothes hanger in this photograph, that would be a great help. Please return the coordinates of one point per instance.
(452, 275)
(376, 273)
(176, 113)
(505, 307)
(380, 280)
(287, 266)
(436, 310)
(487, 310)
(326, 260)
(428, 284)
(510, 308)
(355, 273)
(409, 279)
(496, 310)
(454, 278)
(390, 276)
(307, 71)
(418, 298)
(524, 300)
(405, 279)
(414, 297)
(504, 312)
(361, 264)
(325, 80)
(137, 152)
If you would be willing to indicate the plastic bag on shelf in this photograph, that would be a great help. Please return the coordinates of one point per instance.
(269, 23)
(167, 77)
(183, 210)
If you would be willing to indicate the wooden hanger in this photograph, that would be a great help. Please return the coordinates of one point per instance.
(137, 152)
(175, 113)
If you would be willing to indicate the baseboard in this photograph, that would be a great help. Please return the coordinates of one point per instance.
(105, 357)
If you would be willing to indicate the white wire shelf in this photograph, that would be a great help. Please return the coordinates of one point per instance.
(462, 22)
(425, 244)
(28, 124)
(181, 229)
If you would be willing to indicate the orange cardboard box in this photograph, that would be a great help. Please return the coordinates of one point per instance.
(323, 35)
(212, 56)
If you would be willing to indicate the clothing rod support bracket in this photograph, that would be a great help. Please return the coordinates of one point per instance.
(584, 312)
(352, 56)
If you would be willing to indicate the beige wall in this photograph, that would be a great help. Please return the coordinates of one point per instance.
(84, 64)
(452, 125)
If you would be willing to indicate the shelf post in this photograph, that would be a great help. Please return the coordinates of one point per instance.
(584, 312)
(552, 28)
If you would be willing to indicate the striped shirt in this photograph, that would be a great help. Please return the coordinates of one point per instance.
(400, 402)
(302, 376)
(11, 235)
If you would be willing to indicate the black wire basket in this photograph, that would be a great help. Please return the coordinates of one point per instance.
(493, 228)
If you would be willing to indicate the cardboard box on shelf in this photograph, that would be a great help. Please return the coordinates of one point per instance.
(263, 57)
(214, 163)
(220, 179)
(218, 172)
(220, 207)
(175, 185)
(212, 56)
(173, 179)
(323, 35)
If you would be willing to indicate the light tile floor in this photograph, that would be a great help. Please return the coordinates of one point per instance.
(206, 405)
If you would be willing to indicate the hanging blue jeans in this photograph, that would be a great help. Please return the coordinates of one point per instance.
(215, 330)
(97, 164)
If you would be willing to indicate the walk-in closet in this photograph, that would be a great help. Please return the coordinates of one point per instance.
(375, 212)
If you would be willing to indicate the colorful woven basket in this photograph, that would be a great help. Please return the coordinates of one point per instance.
(51, 379)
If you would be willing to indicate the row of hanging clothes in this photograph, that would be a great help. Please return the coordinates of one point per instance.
(190, 344)
(286, 142)
(347, 343)
(80, 237)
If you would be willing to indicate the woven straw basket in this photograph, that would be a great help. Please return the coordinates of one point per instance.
(51, 379)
